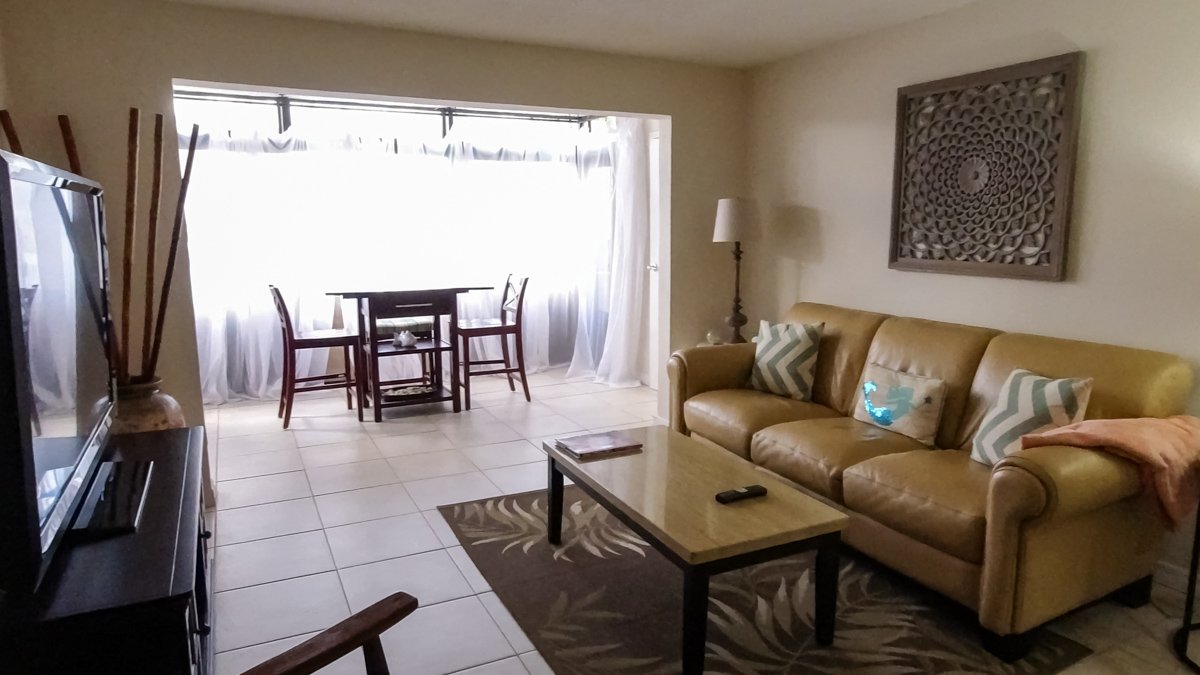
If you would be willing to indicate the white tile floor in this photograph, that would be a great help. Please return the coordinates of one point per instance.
(322, 520)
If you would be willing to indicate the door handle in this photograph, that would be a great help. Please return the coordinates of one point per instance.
(652, 268)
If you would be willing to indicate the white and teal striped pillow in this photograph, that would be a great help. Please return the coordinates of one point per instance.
(1028, 403)
(786, 358)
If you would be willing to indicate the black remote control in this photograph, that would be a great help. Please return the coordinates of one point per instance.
(748, 492)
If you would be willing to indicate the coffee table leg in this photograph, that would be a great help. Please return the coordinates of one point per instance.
(555, 497)
(695, 619)
(827, 588)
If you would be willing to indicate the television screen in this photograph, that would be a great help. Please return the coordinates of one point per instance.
(55, 287)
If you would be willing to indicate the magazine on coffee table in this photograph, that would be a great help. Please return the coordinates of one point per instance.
(597, 446)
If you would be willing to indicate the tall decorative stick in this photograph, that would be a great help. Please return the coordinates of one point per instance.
(152, 242)
(10, 132)
(64, 125)
(131, 186)
(170, 271)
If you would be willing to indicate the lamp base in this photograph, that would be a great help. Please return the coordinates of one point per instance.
(736, 320)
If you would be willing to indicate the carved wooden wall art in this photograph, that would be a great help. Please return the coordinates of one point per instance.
(984, 166)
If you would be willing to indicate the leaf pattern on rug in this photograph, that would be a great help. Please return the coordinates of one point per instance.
(569, 626)
(519, 524)
(878, 630)
(611, 611)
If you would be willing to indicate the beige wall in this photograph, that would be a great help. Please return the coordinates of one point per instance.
(822, 134)
(95, 58)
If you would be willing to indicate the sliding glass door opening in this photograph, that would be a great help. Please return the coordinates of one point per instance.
(315, 195)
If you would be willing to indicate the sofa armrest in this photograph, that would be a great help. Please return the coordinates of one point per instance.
(696, 370)
(1044, 488)
(1072, 480)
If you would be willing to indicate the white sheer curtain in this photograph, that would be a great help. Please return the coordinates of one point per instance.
(610, 342)
(314, 215)
(622, 361)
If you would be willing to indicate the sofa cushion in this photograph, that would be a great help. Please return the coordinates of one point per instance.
(729, 417)
(1126, 382)
(815, 453)
(946, 351)
(936, 497)
(842, 352)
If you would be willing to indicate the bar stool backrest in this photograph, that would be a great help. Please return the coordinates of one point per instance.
(513, 302)
(285, 319)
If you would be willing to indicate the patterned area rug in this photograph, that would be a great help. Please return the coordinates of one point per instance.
(606, 602)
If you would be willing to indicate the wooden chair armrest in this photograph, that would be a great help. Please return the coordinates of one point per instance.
(340, 639)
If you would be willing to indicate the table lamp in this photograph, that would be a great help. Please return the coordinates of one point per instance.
(736, 222)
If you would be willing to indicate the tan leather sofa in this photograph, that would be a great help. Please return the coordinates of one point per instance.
(1044, 531)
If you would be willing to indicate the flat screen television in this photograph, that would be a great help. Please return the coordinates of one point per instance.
(56, 367)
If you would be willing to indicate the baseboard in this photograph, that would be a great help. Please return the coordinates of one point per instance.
(1171, 576)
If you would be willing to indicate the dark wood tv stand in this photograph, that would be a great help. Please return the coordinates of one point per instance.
(132, 603)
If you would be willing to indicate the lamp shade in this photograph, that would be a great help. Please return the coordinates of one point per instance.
(736, 220)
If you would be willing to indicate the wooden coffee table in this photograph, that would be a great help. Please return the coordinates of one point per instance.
(666, 493)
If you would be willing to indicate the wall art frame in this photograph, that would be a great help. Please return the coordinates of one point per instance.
(984, 170)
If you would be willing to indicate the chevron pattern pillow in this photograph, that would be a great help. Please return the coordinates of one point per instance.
(786, 358)
(1028, 403)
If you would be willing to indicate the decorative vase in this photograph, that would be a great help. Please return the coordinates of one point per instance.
(142, 406)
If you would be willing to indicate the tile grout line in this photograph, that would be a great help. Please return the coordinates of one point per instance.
(515, 655)
(336, 568)
(495, 422)
(472, 594)
(329, 547)
(272, 536)
(496, 621)
(398, 481)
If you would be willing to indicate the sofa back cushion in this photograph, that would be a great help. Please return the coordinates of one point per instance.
(945, 351)
(1127, 382)
(842, 352)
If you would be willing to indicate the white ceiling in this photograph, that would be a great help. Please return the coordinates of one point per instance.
(722, 32)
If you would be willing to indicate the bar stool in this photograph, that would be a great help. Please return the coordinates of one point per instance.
(512, 306)
(321, 339)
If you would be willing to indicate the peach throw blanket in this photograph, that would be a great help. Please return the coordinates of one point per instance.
(1167, 450)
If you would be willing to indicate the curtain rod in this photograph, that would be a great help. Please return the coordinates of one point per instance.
(412, 108)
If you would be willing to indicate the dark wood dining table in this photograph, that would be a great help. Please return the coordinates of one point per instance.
(372, 305)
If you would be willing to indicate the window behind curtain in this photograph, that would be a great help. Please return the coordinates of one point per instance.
(354, 198)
